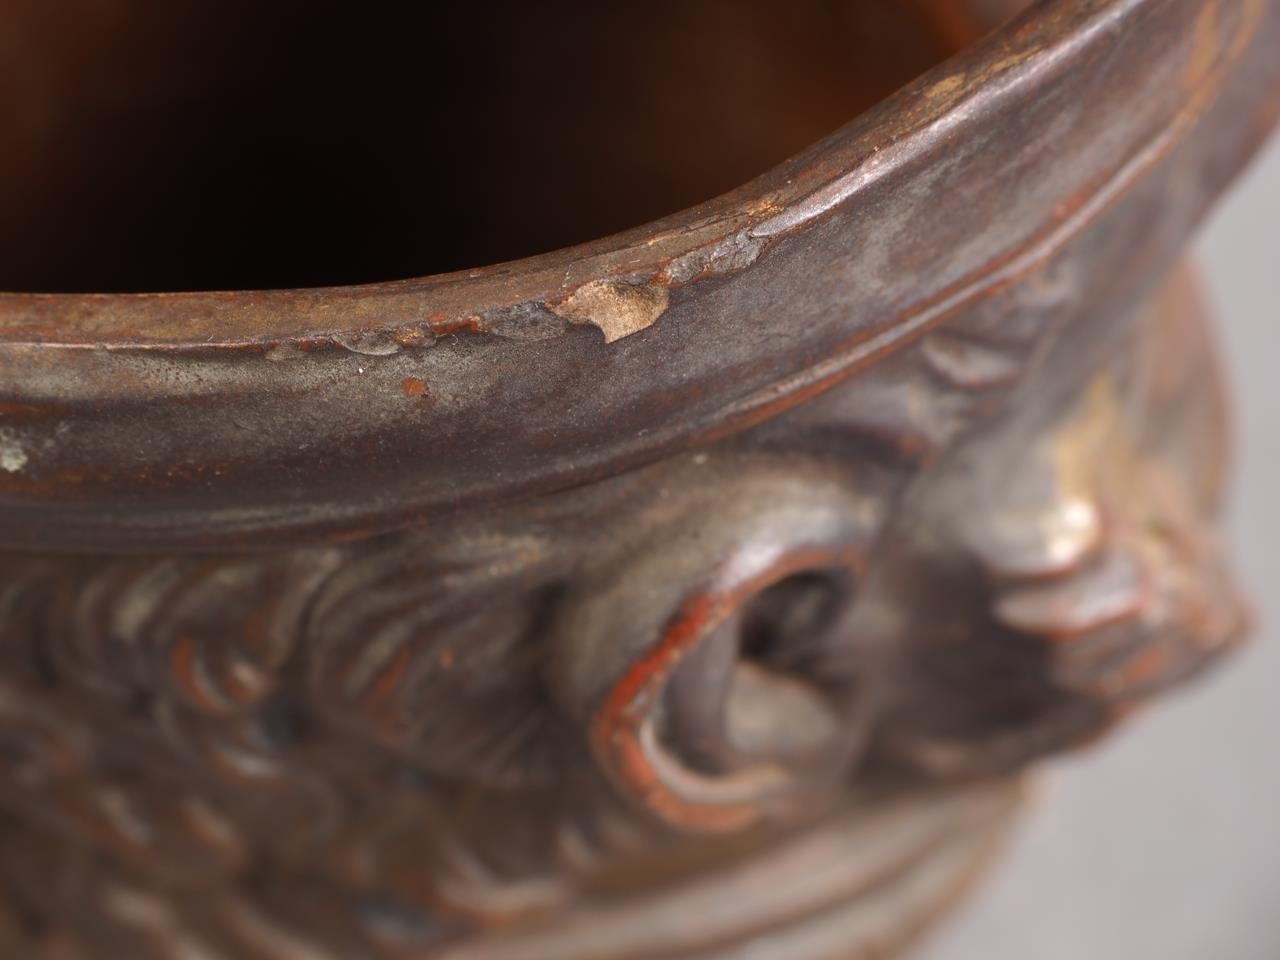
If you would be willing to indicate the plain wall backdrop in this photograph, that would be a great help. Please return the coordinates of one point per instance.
(1164, 844)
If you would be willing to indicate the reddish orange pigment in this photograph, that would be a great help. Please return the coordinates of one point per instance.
(414, 387)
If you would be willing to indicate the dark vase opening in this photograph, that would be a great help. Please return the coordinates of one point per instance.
(222, 144)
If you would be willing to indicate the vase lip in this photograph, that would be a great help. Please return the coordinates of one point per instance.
(723, 234)
(1051, 172)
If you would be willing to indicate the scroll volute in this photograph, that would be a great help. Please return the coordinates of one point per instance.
(693, 655)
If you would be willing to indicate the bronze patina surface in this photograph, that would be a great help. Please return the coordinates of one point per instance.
(700, 592)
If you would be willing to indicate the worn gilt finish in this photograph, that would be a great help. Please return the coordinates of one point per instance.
(713, 582)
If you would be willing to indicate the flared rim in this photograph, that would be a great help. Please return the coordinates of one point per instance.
(1050, 172)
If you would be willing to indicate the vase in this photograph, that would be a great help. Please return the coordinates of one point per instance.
(706, 591)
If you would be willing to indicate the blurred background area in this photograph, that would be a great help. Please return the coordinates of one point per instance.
(1163, 843)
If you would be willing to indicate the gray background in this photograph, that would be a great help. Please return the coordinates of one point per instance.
(1164, 843)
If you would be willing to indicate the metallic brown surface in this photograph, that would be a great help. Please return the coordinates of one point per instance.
(701, 590)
